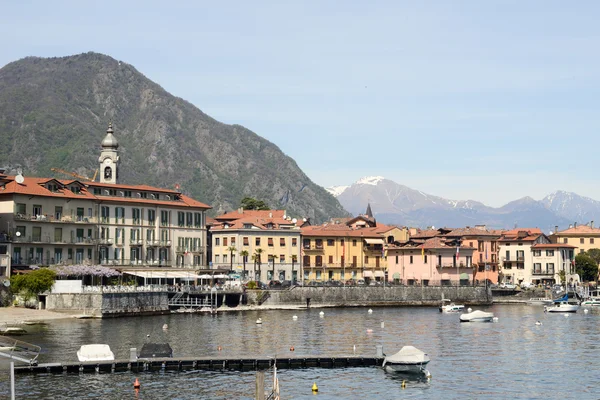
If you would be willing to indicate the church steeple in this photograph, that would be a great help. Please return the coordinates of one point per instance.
(109, 157)
(369, 213)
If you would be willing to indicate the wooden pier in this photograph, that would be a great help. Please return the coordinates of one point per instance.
(202, 363)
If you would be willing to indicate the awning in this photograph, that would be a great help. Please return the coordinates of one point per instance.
(464, 276)
(396, 275)
(379, 274)
(162, 274)
(374, 241)
(367, 274)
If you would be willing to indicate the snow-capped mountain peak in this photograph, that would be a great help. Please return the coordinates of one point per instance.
(370, 180)
(336, 190)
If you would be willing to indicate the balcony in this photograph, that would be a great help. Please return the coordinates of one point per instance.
(55, 218)
(182, 249)
(313, 247)
(50, 240)
(542, 272)
(152, 243)
(136, 242)
(165, 243)
(105, 242)
(136, 263)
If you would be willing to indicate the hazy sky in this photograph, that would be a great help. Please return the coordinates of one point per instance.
(483, 100)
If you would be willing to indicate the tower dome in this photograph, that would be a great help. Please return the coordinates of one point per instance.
(110, 141)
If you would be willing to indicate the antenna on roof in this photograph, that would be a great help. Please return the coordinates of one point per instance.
(19, 178)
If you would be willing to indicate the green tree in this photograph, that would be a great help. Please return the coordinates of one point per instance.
(231, 250)
(32, 284)
(586, 267)
(244, 255)
(594, 254)
(249, 203)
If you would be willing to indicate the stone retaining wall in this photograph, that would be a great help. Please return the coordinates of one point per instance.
(363, 296)
(110, 304)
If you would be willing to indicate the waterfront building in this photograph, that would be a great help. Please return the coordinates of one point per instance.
(264, 243)
(584, 237)
(348, 249)
(548, 260)
(485, 256)
(516, 254)
(52, 221)
(434, 261)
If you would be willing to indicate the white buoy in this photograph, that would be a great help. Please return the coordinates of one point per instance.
(259, 321)
(382, 324)
(354, 349)
(495, 319)
(585, 311)
(469, 309)
(369, 330)
(295, 318)
(370, 311)
(538, 323)
(321, 314)
(566, 315)
(165, 327)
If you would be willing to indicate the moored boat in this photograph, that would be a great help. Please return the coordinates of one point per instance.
(95, 352)
(477, 316)
(450, 307)
(408, 360)
(562, 305)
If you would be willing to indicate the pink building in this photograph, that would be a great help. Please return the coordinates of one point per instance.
(436, 261)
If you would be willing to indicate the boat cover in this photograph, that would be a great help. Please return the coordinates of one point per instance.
(95, 352)
(475, 315)
(160, 350)
(408, 355)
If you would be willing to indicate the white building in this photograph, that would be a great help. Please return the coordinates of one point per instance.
(516, 256)
(46, 221)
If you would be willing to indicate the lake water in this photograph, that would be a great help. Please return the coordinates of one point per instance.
(511, 358)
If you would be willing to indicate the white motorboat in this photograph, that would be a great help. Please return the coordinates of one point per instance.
(593, 300)
(451, 307)
(562, 305)
(95, 352)
(477, 316)
(409, 360)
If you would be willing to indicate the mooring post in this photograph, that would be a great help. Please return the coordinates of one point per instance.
(260, 385)
(12, 380)
(133, 354)
(379, 350)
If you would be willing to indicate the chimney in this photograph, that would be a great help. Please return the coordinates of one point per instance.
(270, 215)
(555, 229)
(575, 225)
(241, 210)
(570, 226)
(592, 224)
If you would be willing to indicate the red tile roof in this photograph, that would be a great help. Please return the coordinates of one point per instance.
(341, 230)
(471, 232)
(251, 213)
(552, 246)
(579, 230)
(261, 223)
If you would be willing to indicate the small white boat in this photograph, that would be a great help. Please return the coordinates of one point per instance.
(13, 331)
(409, 360)
(591, 302)
(477, 316)
(95, 352)
(450, 307)
(562, 305)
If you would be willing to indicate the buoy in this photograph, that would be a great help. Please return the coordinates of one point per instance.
(369, 330)
(354, 348)
(585, 311)
(295, 318)
(370, 311)
(566, 315)
(315, 388)
(469, 309)
(136, 384)
(538, 323)
(403, 384)
(495, 319)
(382, 324)
(259, 321)
(165, 327)
(292, 348)
(321, 314)
(219, 348)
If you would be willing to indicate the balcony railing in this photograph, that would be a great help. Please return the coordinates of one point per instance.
(542, 272)
(50, 240)
(105, 241)
(55, 218)
(136, 262)
(152, 243)
(165, 243)
(136, 242)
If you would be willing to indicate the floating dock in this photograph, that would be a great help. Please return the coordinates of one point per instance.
(202, 363)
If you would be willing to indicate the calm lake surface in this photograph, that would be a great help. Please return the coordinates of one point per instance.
(511, 358)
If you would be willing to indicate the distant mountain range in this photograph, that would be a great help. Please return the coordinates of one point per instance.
(398, 204)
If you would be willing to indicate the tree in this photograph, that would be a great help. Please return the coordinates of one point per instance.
(257, 258)
(594, 254)
(249, 203)
(231, 250)
(244, 255)
(32, 284)
(272, 258)
(586, 267)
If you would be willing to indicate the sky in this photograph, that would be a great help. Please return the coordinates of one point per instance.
(483, 100)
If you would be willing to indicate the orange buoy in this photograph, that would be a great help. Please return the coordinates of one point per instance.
(292, 348)
(136, 384)
(219, 348)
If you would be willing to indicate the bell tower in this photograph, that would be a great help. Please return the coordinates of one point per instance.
(109, 157)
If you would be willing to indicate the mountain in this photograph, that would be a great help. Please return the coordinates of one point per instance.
(399, 204)
(54, 113)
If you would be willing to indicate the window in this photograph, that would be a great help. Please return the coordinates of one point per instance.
(480, 245)
(104, 214)
(330, 259)
(410, 260)
(507, 258)
(550, 268)
(37, 234)
(281, 258)
(366, 260)
(151, 217)
(119, 215)
(318, 261)
(537, 268)
(245, 241)
(120, 235)
(135, 213)
(233, 240)
(180, 219)
(549, 253)
(306, 243)
(20, 231)
(216, 259)
(270, 242)
(294, 242)
(282, 242)
(318, 275)
(330, 242)
(21, 209)
(224, 241)
(37, 210)
(58, 234)
(217, 241)
(520, 255)
(353, 242)
(565, 240)
(354, 261)
(257, 241)
(189, 219)
(164, 218)
(80, 213)
(581, 241)
(197, 220)
(424, 259)
(306, 261)
(537, 253)
(591, 240)
(319, 243)
(224, 258)
(135, 236)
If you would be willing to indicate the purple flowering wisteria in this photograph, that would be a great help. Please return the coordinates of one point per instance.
(83, 270)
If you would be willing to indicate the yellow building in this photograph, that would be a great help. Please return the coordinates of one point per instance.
(584, 237)
(263, 244)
